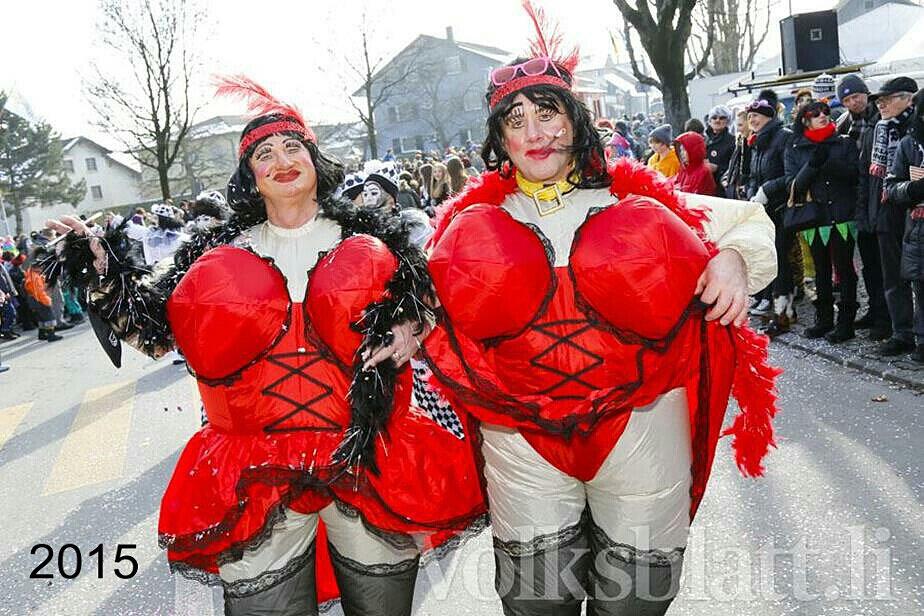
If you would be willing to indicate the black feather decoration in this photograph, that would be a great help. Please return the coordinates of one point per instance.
(408, 298)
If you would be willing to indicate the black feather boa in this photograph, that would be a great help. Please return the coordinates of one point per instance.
(133, 300)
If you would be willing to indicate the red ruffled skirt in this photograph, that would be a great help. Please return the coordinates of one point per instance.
(228, 489)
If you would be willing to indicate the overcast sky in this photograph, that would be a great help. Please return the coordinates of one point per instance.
(296, 49)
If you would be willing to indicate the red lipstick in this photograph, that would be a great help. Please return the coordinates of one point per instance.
(286, 176)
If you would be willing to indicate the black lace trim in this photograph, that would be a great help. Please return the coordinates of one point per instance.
(458, 540)
(374, 569)
(632, 555)
(268, 579)
(206, 578)
(544, 543)
(296, 480)
(398, 541)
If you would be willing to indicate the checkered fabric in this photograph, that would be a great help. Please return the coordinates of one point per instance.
(426, 398)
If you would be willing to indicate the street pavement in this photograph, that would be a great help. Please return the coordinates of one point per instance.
(834, 528)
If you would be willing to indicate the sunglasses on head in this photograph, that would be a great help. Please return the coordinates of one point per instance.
(759, 104)
(530, 68)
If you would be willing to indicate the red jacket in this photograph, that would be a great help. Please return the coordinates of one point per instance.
(694, 176)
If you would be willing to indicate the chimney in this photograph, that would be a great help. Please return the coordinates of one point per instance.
(449, 36)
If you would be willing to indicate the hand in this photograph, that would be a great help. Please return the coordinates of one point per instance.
(712, 167)
(724, 286)
(819, 156)
(69, 224)
(404, 345)
(760, 197)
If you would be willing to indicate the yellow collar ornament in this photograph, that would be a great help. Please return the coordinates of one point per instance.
(547, 197)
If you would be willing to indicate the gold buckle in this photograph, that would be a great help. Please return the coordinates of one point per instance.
(555, 203)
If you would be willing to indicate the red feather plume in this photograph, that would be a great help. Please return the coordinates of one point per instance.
(549, 40)
(259, 101)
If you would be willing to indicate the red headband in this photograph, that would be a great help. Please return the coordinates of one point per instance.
(525, 81)
(280, 126)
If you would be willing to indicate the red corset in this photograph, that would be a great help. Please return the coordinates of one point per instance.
(263, 362)
(565, 332)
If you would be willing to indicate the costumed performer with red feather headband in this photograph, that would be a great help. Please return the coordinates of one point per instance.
(272, 310)
(595, 323)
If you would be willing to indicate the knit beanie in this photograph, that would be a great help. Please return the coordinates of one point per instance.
(823, 87)
(850, 84)
(663, 134)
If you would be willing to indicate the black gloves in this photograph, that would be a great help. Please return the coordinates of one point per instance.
(820, 155)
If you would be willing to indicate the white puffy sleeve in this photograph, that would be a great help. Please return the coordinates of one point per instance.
(744, 227)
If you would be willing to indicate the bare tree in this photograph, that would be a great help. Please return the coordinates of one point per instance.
(376, 85)
(739, 27)
(141, 87)
(663, 28)
(440, 104)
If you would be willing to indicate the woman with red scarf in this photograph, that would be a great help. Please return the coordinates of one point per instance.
(823, 168)
(308, 459)
(594, 321)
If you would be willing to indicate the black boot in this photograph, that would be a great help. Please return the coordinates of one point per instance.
(43, 333)
(844, 330)
(865, 322)
(824, 321)
(918, 354)
(880, 331)
(51, 336)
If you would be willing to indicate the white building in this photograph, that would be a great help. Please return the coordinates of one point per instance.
(113, 180)
(610, 89)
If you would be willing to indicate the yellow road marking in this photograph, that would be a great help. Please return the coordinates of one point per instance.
(94, 449)
(10, 418)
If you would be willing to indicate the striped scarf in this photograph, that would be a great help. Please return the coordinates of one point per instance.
(885, 142)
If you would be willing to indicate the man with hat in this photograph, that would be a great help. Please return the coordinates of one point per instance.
(904, 189)
(896, 110)
(858, 124)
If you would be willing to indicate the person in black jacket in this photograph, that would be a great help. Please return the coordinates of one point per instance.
(858, 124)
(735, 180)
(719, 145)
(901, 191)
(823, 167)
(894, 101)
(767, 184)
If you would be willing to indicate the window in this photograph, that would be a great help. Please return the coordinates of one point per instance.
(471, 100)
(392, 114)
(68, 165)
(97, 192)
(453, 65)
(396, 145)
(815, 34)
(419, 142)
(408, 144)
(91, 164)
